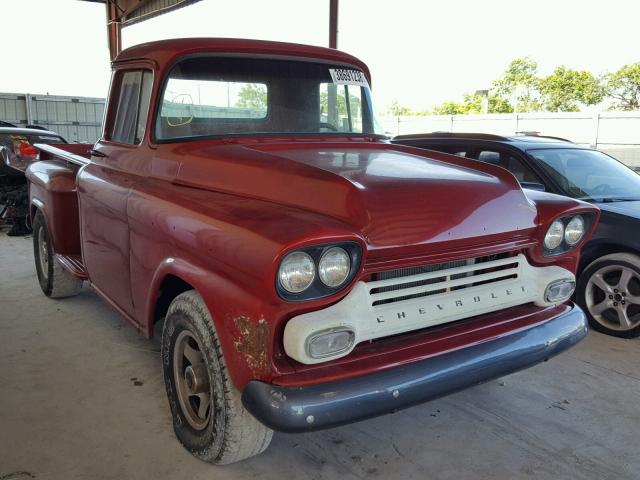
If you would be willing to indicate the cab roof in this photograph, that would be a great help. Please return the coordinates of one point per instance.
(165, 52)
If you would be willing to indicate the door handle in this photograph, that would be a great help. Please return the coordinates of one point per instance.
(97, 153)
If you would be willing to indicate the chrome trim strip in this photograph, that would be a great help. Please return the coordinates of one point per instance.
(63, 154)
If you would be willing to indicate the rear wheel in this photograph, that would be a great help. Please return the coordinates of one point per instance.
(55, 281)
(208, 416)
(609, 291)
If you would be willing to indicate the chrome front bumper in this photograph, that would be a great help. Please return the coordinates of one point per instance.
(340, 402)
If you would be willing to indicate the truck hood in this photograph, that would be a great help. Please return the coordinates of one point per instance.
(392, 195)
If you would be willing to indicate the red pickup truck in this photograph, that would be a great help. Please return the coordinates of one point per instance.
(306, 273)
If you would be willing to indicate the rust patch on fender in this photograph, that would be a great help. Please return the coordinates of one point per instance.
(253, 343)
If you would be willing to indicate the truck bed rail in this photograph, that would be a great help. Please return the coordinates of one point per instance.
(62, 154)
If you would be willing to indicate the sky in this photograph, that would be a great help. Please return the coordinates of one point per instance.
(420, 52)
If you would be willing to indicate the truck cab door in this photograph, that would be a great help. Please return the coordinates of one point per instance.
(104, 187)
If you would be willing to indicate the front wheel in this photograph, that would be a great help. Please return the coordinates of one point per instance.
(609, 291)
(208, 416)
(55, 281)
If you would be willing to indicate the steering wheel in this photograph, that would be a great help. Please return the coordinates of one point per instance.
(602, 189)
(328, 126)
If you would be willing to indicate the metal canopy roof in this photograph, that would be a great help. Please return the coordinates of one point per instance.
(133, 11)
(121, 13)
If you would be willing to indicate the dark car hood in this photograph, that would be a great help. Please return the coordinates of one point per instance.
(392, 195)
(630, 209)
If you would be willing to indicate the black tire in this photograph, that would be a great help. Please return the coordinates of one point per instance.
(627, 299)
(228, 433)
(55, 281)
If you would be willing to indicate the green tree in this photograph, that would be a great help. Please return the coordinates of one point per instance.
(354, 103)
(565, 90)
(397, 110)
(520, 85)
(472, 103)
(623, 87)
(252, 95)
(496, 104)
(451, 108)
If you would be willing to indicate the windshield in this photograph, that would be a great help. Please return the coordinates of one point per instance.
(248, 96)
(589, 174)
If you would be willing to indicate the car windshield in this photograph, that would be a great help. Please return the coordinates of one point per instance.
(205, 97)
(589, 174)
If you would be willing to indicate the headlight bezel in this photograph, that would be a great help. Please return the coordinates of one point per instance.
(318, 289)
(587, 218)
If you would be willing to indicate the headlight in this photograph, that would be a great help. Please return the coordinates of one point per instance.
(317, 271)
(574, 231)
(554, 236)
(334, 267)
(297, 272)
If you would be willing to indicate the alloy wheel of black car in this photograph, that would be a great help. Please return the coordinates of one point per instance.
(609, 292)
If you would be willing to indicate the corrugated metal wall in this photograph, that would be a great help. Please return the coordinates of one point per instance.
(78, 119)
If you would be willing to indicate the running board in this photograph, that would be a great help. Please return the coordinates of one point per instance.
(74, 265)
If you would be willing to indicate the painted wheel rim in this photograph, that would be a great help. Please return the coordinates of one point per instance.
(613, 297)
(43, 252)
(191, 378)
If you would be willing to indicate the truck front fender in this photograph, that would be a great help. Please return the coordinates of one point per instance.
(238, 316)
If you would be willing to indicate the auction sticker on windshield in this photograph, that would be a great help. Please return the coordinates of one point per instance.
(343, 76)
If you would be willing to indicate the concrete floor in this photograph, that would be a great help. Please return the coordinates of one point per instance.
(82, 396)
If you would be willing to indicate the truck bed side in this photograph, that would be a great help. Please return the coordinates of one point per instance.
(52, 189)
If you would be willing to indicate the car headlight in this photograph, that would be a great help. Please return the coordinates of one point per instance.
(574, 231)
(296, 272)
(316, 271)
(554, 236)
(334, 267)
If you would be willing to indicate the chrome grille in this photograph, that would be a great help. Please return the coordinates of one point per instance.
(414, 282)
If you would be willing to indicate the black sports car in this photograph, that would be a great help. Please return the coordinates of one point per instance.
(609, 274)
(16, 152)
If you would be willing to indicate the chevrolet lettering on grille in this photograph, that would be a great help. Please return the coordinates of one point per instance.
(455, 304)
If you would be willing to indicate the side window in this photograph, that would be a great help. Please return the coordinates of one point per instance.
(458, 150)
(490, 157)
(340, 108)
(516, 166)
(132, 108)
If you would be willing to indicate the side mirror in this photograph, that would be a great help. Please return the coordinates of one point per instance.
(533, 186)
